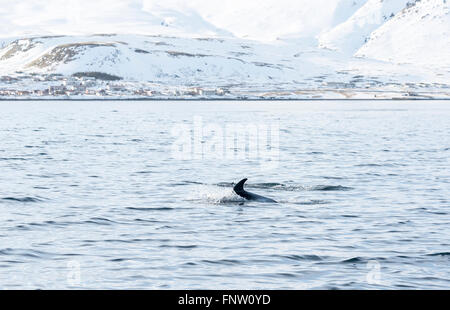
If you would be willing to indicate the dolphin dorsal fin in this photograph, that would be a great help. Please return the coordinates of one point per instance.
(240, 186)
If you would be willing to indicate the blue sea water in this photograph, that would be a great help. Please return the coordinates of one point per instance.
(93, 196)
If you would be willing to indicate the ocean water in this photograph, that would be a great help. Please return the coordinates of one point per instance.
(98, 195)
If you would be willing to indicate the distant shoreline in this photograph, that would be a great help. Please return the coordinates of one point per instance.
(235, 99)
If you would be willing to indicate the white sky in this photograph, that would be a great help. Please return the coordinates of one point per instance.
(258, 19)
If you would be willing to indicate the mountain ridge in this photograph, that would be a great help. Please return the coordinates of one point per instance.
(216, 57)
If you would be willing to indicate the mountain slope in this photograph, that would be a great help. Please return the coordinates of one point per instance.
(236, 45)
(418, 35)
(146, 58)
(350, 35)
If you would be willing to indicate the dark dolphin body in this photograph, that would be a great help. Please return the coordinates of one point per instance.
(239, 189)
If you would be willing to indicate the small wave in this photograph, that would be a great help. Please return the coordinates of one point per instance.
(22, 199)
(26, 253)
(404, 286)
(146, 221)
(331, 188)
(358, 259)
(12, 158)
(119, 260)
(307, 257)
(100, 221)
(281, 274)
(183, 247)
(369, 165)
(145, 172)
(311, 202)
(226, 184)
(135, 240)
(266, 185)
(437, 212)
(354, 260)
(222, 262)
(439, 254)
(151, 209)
(382, 165)
(183, 183)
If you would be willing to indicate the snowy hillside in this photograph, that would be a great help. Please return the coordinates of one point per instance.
(147, 58)
(276, 48)
(418, 35)
(350, 35)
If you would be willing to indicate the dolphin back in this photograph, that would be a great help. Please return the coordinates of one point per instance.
(239, 189)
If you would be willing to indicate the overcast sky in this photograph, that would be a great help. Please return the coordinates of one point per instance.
(259, 19)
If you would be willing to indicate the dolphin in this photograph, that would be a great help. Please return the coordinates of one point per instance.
(239, 189)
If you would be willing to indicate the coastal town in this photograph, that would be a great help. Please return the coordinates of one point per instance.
(102, 86)
(34, 86)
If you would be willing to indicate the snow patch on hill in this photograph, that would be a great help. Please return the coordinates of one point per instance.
(350, 35)
(418, 35)
(148, 58)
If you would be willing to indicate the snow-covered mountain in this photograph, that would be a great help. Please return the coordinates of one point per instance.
(278, 45)
(419, 34)
(146, 58)
(351, 34)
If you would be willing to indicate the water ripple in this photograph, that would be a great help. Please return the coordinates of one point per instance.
(84, 192)
(23, 199)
